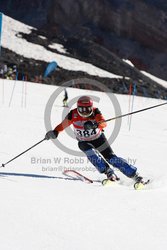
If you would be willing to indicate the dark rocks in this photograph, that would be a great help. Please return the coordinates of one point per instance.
(135, 30)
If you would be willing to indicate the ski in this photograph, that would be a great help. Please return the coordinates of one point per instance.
(107, 182)
(77, 175)
(141, 185)
(137, 185)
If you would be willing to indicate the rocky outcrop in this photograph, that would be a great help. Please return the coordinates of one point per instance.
(30, 12)
(135, 30)
(127, 19)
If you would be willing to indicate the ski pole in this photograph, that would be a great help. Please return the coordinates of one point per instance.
(132, 105)
(134, 112)
(3, 165)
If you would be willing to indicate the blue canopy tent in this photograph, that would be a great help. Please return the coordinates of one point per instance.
(50, 68)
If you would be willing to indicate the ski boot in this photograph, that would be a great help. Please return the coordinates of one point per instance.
(137, 178)
(111, 177)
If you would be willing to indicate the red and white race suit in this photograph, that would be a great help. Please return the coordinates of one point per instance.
(73, 118)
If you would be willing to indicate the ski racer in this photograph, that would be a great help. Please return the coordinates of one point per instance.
(89, 124)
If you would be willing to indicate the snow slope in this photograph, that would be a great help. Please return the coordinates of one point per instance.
(41, 209)
(156, 79)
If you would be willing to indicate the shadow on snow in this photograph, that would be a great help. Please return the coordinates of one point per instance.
(5, 174)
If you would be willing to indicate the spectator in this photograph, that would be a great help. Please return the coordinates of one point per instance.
(65, 104)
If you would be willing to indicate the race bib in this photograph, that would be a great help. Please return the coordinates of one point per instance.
(85, 135)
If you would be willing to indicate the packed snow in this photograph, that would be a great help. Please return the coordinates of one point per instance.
(128, 62)
(58, 47)
(41, 209)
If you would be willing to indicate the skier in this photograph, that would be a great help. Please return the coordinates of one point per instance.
(65, 98)
(88, 123)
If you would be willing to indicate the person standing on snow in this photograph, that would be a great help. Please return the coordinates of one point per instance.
(65, 99)
(88, 123)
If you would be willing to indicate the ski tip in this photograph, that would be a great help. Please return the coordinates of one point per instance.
(107, 182)
(140, 185)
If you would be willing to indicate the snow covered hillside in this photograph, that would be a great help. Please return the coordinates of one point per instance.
(41, 209)
(12, 39)
(156, 79)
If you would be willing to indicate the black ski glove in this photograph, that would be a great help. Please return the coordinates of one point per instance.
(52, 134)
(90, 125)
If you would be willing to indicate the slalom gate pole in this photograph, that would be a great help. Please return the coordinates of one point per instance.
(134, 112)
(4, 164)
